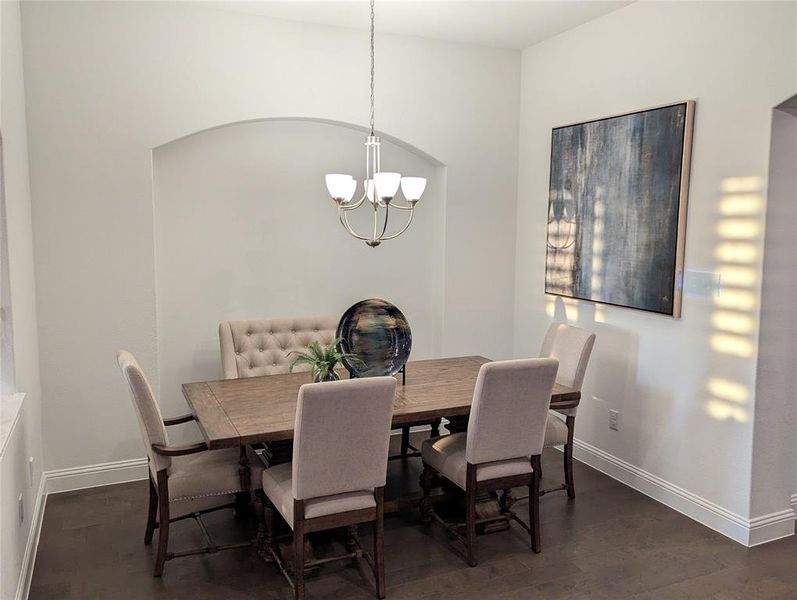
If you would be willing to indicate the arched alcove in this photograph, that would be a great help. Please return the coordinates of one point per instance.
(244, 228)
(386, 137)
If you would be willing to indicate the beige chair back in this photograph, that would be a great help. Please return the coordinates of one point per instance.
(150, 419)
(572, 346)
(341, 436)
(260, 347)
(510, 409)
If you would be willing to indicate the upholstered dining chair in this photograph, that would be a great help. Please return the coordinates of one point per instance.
(572, 347)
(501, 448)
(186, 481)
(337, 475)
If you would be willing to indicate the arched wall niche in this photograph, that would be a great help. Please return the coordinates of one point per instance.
(244, 228)
(386, 137)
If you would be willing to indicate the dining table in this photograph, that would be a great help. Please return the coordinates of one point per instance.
(256, 411)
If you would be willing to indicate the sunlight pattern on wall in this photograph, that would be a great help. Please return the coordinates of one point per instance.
(733, 320)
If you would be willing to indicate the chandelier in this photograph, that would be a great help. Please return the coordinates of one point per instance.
(379, 187)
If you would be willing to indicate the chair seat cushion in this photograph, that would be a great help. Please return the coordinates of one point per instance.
(211, 473)
(446, 455)
(555, 431)
(278, 486)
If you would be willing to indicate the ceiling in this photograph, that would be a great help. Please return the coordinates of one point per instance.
(500, 23)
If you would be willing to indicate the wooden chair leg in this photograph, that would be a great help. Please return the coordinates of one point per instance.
(470, 516)
(427, 479)
(534, 505)
(379, 543)
(405, 440)
(352, 542)
(152, 513)
(436, 427)
(163, 522)
(506, 501)
(298, 549)
(571, 488)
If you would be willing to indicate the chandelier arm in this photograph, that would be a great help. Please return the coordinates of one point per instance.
(400, 207)
(352, 206)
(376, 221)
(395, 235)
(344, 220)
(384, 226)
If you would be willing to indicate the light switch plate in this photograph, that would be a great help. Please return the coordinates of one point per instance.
(702, 284)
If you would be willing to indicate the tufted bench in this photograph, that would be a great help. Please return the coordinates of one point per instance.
(261, 347)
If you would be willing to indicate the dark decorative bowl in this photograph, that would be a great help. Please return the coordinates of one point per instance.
(378, 333)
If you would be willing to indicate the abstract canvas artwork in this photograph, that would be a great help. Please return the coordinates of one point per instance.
(617, 209)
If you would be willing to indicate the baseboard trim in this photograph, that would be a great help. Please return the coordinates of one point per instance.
(78, 478)
(771, 527)
(122, 471)
(29, 558)
(135, 469)
(748, 532)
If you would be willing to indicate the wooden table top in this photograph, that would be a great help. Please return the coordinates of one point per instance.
(252, 410)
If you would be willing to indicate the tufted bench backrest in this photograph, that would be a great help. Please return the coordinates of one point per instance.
(261, 347)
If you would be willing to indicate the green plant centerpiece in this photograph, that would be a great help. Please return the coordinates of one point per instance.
(323, 361)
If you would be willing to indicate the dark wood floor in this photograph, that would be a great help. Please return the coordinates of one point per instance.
(610, 543)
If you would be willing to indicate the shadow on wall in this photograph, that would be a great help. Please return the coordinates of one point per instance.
(610, 368)
(613, 371)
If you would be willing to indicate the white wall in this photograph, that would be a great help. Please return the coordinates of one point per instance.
(25, 440)
(107, 82)
(774, 474)
(684, 388)
(244, 228)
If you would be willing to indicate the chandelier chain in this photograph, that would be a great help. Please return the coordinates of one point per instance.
(372, 67)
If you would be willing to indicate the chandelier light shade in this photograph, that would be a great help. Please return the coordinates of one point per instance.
(341, 187)
(413, 188)
(386, 185)
(379, 187)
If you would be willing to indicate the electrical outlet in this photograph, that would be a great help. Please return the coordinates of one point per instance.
(31, 469)
(21, 505)
(614, 419)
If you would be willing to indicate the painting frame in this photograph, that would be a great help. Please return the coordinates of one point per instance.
(684, 174)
